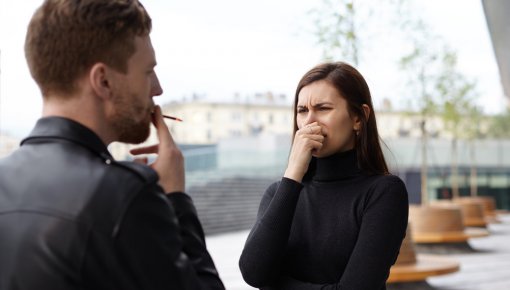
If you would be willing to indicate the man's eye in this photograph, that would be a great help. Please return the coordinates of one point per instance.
(302, 110)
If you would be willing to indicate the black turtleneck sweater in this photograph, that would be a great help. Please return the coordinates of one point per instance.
(339, 229)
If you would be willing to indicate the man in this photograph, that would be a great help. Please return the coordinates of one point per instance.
(71, 217)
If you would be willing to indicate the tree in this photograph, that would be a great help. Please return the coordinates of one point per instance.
(337, 30)
(499, 128)
(457, 94)
(422, 65)
(473, 132)
(500, 125)
(342, 27)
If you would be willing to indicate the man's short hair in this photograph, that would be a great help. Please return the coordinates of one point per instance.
(66, 37)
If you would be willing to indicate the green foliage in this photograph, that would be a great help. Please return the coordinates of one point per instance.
(337, 30)
(474, 118)
(435, 83)
(457, 94)
(500, 125)
(348, 29)
(422, 65)
(419, 67)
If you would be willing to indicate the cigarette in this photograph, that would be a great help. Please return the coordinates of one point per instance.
(173, 118)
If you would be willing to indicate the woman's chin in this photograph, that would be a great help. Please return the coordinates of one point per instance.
(318, 154)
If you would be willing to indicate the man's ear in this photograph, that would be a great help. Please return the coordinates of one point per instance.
(100, 80)
(357, 120)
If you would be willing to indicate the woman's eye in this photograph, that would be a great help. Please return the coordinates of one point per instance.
(301, 110)
(324, 108)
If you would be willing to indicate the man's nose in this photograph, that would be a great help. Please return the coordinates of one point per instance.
(156, 89)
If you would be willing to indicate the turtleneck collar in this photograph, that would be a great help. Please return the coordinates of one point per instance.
(339, 166)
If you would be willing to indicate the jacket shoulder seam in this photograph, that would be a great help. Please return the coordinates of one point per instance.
(144, 173)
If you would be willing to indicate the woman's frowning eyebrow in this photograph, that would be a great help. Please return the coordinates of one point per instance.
(316, 105)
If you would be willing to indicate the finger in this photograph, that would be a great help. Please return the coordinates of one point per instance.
(307, 125)
(316, 134)
(315, 145)
(306, 131)
(145, 150)
(141, 160)
(314, 137)
(163, 133)
(315, 129)
(311, 129)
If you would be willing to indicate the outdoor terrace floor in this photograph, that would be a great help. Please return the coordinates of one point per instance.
(486, 268)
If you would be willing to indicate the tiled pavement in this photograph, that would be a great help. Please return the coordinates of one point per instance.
(488, 268)
(226, 250)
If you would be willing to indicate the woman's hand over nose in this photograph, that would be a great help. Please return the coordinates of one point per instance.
(308, 138)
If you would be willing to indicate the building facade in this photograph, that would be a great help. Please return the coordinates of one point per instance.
(207, 122)
(8, 144)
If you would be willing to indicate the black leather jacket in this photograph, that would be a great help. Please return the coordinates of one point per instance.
(71, 217)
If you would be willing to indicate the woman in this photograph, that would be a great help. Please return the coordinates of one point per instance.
(337, 217)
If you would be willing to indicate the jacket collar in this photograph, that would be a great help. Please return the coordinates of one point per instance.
(67, 129)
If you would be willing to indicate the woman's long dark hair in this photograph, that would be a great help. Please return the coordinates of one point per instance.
(353, 88)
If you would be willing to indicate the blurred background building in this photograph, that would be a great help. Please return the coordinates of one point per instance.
(234, 150)
(211, 127)
(234, 147)
(8, 144)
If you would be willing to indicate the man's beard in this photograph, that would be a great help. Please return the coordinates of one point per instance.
(124, 122)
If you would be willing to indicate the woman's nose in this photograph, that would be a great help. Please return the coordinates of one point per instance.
(310, 118)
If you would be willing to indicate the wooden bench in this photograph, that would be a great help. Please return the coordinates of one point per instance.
(412, 267)
(489, 207)
(441, 223)
(450, 237)
(472, 212)
(425, 266)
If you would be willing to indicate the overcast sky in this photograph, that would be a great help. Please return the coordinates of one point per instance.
(221, 47)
